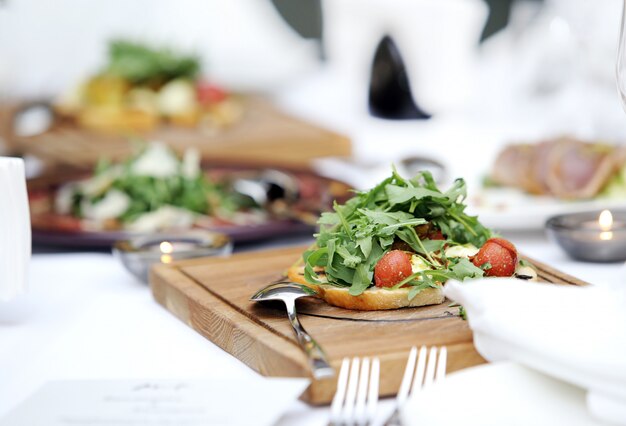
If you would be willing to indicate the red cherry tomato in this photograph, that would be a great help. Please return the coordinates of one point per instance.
(500, 254)
(436, 235)
(392, 268)
(210, 93)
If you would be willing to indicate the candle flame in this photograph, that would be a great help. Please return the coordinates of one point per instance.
(166, 258)
(605, 220)
(606, 235)
(166, 247)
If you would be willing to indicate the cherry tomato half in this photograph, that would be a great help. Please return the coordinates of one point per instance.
(500, 254)
(392, 268)
(210, 93)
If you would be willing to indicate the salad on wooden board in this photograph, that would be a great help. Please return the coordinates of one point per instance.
(141, 86)
(395, 245)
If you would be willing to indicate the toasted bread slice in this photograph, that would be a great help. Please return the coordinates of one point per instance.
(372, 299)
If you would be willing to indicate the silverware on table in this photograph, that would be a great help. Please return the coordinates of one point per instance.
(288, 292)
(419, 376)
(356, 397)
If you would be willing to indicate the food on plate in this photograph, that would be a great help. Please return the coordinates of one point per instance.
(142, 86)
(153, 190)
(396, 245)
(564, 168)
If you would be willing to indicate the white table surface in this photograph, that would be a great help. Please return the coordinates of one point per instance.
(85, 317)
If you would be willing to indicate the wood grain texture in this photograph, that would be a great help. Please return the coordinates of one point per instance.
(264, 136)
(212, 296)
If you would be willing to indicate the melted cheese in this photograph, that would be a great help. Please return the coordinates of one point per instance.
(162, 218)
(465, 250)
(418, 264)
(156, 161)
(113, 205)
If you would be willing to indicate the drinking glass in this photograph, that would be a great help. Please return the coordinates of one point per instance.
(621, 59)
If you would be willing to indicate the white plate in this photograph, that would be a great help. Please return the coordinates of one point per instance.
(498, 394)
(504, 209)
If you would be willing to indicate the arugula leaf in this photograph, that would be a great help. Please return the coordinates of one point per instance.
(399, 195)
(349, 259)
(148, 193)
(463, 313)
(143, 64)
(358, 233)
(465, 269)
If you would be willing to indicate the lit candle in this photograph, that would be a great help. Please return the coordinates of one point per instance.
(591, 236)
(167, 248)
(605, 221)
(142, 251)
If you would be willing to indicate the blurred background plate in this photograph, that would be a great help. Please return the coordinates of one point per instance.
(263, 135)
(504, 209)
(316, 194)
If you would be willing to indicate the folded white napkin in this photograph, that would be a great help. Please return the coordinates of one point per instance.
(15, 237)
(576, 334)
(497, 394)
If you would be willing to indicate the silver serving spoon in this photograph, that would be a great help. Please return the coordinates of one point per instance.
(288, 292)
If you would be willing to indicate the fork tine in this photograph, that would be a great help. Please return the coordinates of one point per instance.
(403, 392)
(441, 364)
(419, 370)
(348, 412)
(340, 393)
(372, 396)
(361, 396)
(430, 367)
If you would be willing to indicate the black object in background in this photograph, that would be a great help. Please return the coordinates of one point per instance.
(305, 16)
(390, 91)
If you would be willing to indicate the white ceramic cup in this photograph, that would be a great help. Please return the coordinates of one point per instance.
(15, 234)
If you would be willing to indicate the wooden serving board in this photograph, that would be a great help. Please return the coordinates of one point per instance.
(212, 296)
(264, 136)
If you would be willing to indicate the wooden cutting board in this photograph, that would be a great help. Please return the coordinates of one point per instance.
(211, 295)
(264, 136)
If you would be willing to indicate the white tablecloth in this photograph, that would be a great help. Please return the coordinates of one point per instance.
(85, 317)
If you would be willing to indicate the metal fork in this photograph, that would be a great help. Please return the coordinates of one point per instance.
(356, 399)
(431, 367)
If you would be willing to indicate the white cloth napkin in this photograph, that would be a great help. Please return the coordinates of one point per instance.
(576, 334)
(15, 237)
(497, 394)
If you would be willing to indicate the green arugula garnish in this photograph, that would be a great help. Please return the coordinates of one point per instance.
(195, 193)
(354, 237)
(462, 313)
(143, 64)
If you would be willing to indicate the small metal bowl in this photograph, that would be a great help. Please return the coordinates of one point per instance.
(581, 239)
(140, 253)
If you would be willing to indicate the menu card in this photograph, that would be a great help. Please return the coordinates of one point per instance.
(260, 402)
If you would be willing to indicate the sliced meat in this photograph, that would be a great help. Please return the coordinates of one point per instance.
(545, 158)
(512, 166)
(564, 167)
(582, 171)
